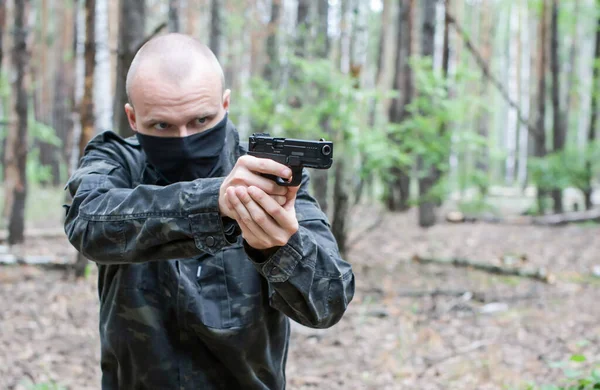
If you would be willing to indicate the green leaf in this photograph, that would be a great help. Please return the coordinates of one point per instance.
(578, 358)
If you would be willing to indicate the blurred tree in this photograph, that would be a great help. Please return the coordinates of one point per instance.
(174, 12)
(558, 127)
(540, 139)
(132, 21)
(216, 27)
(272, 68)
(4, 120)
(320, 178)
(398, 191)
(594, 107)
(428, 176)
(86, 109)
(16, 144)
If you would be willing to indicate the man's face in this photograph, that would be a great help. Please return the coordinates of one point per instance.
(176, 109)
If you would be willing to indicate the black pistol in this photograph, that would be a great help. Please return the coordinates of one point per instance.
(295, 153)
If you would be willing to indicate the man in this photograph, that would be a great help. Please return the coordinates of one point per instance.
(201, 259)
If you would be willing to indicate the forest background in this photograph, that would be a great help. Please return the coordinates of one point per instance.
(464, 188)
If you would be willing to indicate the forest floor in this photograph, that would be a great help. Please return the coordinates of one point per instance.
(480, 331)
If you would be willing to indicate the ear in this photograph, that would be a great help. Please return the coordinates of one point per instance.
(226, 99)
(130, 116)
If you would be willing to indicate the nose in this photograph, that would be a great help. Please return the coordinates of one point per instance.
(183, 131)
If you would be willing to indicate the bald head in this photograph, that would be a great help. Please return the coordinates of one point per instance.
(172, 58)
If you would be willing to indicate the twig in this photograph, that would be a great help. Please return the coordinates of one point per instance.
(486, 71)
(540, 274)
(154, 33)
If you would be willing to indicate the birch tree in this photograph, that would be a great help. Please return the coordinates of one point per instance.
(103, 105)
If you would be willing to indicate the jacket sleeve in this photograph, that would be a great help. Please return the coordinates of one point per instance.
(308, 279)
(109, 222)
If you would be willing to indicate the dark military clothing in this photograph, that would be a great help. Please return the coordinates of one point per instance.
(184, 302)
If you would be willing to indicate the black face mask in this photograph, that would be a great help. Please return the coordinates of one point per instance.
(185, 158)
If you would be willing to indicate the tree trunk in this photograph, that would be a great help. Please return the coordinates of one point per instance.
(322, 50)
(559, 132)
(483, 122)
(524, 93)
(87, 103)
(594, 107)
(64, 84)
(103, 104)
(3, 103)
(320, 177)
(131, 35)
(427, 205)
(216, 31)
(399, 187)
(513, 86)
(341, 206)
(272, 68)
(174, 24)
(540, 140)
(302, 27)
(16, 145)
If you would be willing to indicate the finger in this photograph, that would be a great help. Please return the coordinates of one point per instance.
(290, 200)
(244, 216)
(276, 235)
(279, 199)
(234, 214)
(282, 219)
(267, 185)
(266, 165)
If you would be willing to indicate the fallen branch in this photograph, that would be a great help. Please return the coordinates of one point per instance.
(592, 215)
(540, 274)
(8, 259)
(37, 233)
(486, 72)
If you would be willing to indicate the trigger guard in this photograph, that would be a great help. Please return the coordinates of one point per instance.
(295, 181)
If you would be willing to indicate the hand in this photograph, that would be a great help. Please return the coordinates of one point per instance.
(246, 173)
(264, 222)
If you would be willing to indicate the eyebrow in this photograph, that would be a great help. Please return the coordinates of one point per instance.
(202, 114)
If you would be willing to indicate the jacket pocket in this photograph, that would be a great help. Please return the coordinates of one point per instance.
(230, 289)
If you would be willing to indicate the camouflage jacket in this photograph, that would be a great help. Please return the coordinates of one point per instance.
(184, 303)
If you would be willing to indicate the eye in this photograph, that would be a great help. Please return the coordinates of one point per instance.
(161, 126)
(201, 121)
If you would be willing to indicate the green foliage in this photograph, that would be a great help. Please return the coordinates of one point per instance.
(575, 376)
(565, 168)
(428, 134)
(318, 101)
